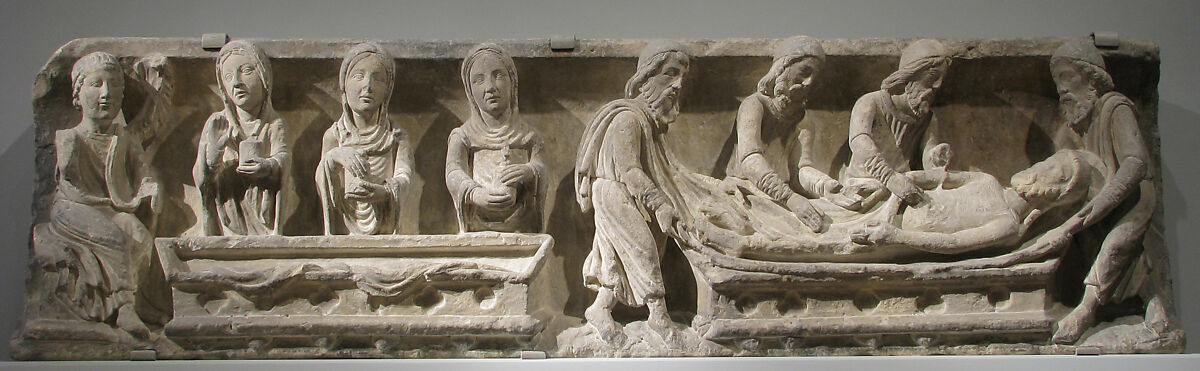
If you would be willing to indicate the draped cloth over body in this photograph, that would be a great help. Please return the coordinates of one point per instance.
(385, 150)
(479, 149)
(94, 237)
(625, 255)
(233, 203)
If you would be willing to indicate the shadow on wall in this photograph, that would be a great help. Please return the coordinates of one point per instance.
(430, 157)
(17, 165)
(1179, 154)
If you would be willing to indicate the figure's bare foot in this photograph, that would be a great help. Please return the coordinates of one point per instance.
(1157, 319)
(1071, 327)
(873, 233)
(128, 320)
(660, 322)
(606, 327)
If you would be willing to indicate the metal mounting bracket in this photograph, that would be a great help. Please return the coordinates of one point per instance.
(1106, 39)
(1087, 351)
(213, 41)
(143, 355)
(563, 43)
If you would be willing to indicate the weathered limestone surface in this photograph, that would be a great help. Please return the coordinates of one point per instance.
(397, 199)
(481, 294)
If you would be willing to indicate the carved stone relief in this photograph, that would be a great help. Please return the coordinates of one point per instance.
(641, 198)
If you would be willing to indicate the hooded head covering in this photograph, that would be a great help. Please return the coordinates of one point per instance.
(915, 58)
(1083, 53)
(790, 50)
(1080, 50)
(266, 113)
(377, 138)
(476, 127)
(649, 61)
(921, 50)
(799, 46)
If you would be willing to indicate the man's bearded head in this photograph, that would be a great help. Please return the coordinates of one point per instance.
(658, 80)
(1079, 74)
(1058, 180)
(920, 74)
(1075, 107)
(663, 101)
(919, 97)
(788, 85)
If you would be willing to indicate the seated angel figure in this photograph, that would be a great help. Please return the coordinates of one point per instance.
(99, 238)
(967, 211)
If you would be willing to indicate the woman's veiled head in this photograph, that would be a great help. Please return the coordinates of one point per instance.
(490, 79)
(366, 78)
(244, 75)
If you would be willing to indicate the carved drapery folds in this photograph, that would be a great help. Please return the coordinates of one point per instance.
(757, 197)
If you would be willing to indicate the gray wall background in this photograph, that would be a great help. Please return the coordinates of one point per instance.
(31, 31)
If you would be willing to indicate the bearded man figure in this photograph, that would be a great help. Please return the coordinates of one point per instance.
(886, 125)
(768, 133)
(1111, 225)
(625, 174)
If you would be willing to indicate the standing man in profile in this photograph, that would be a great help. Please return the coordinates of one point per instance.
(1104, 124)
(887, 125)
(624, 174)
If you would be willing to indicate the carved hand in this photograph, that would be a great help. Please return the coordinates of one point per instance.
(939, 155)
(149, 191)
(1052, 239)
(874, 232)
(491, 199)
(254, 168)
(368, 192)
(811, 217)
(215, 163)
(149, 188)
(904, 187)
(666, 217)
(1080, 219)
(830, 186)
(850, 202)
(516, 174)
(211, 156)
(350, 160)
(845, 198)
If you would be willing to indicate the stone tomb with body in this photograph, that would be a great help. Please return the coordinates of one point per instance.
(435, 288)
